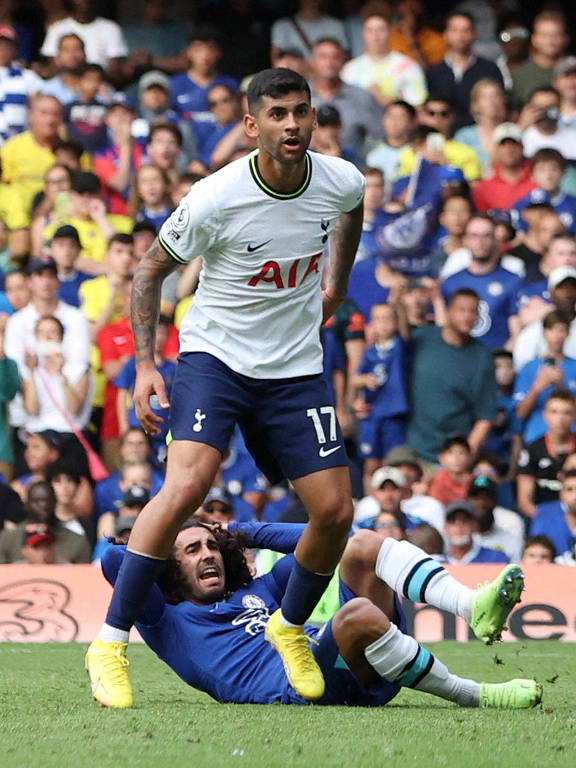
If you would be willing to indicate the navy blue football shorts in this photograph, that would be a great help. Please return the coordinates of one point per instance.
(342, 685)
(289, 425)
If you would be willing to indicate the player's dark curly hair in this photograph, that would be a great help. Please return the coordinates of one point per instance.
(232, 546)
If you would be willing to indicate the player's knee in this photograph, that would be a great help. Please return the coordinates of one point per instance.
(362, 620)
(184, 493)
(334, 513)
(362, 550)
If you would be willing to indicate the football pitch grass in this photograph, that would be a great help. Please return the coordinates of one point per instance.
(49, 719)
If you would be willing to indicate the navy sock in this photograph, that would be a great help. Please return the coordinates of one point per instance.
(303, 592)
(135, 578)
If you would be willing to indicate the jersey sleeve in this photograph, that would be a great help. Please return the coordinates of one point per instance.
(190, 229)
(353, 190)
(280, 537)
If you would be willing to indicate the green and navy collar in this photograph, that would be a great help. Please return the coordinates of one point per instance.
(256, 175)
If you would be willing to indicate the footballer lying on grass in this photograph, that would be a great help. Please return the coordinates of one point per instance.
(206, 616)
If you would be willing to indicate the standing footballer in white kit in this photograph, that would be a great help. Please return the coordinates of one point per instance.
(250, 354)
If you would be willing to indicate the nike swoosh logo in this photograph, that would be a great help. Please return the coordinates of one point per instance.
(251, 249)
(323, 452)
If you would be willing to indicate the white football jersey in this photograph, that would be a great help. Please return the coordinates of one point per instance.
(258, 307)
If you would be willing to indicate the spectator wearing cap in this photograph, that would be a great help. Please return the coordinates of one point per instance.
(69, 547)
(218, 506)
(20, 329)
(540, 377)
(28, 156)
(154, 107)
(530, 343)
(85, 210)
(309, 25)
(189, 90)
(360, 114)
(327, 138)
(455, 76)
(511, 178)
(497, 287)
(386, 74)
(85, 116)
(388, 487)
(565, 83)
(38, 545)
(459, 530)
(548, 44)
(556, 521)
(116, 164)
(103, 39)
(539, 121)
(548, 167)
(65, 250)
(488, 108)
(17, 84)
(70, 57)
(514, 39)
(490, 532)
(453, 389)
(541, 461)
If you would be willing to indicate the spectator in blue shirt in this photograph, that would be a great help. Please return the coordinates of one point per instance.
(557, 520)
(540, 377)
(381, 378)
(504, 439)
(65, 250)
(190, 89)
(548, 167)
(497, 287)
(225, 107)
(459, 532)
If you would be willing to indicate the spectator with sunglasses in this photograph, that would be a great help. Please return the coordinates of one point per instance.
(225, 107)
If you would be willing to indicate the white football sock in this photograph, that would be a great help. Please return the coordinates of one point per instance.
(400, 659)
(414, 574)
(113, 635)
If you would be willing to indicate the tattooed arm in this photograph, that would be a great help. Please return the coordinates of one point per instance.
(343, 248)
(145, 308)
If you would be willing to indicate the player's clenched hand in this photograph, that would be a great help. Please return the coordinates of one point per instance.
(149, 382)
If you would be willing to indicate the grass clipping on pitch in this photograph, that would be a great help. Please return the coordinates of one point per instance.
(49, 719)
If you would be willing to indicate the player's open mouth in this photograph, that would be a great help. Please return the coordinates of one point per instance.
(209, 573)
(293, 142)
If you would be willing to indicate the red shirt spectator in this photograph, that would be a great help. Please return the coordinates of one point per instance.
(511, 179)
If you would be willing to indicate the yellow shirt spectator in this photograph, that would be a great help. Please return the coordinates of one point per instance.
(94, 298)
(13, 210)
(456, 154)
(24, 165)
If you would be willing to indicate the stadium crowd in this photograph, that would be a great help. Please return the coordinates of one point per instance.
(452, 361)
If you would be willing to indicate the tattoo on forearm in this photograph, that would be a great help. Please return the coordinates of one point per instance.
(343, 248)
(150, 273)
